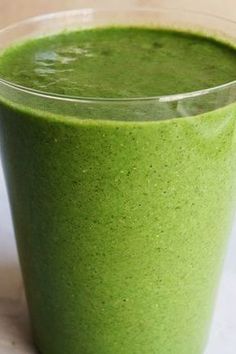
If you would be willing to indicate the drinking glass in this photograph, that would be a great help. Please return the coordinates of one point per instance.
(122, 208)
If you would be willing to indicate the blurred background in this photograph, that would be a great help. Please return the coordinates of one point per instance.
(14, 325)
(18, 9)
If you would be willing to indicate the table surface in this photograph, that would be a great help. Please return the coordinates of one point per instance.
(15, 336)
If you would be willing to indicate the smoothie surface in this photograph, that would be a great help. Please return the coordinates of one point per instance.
(120, 62)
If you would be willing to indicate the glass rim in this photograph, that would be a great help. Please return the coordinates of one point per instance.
(84, 99)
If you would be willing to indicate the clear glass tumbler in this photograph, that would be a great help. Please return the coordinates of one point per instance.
(122, 208)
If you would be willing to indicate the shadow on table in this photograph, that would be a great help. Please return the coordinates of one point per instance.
(15, 334)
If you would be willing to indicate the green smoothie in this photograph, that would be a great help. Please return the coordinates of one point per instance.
(121, 225)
